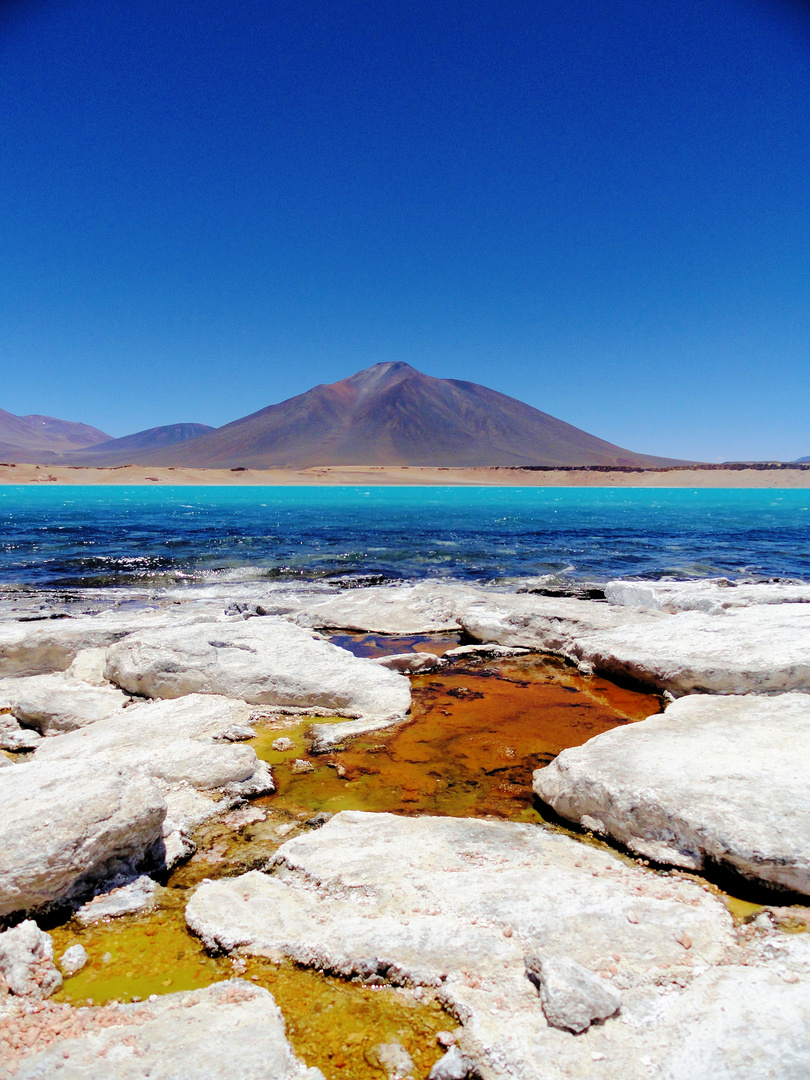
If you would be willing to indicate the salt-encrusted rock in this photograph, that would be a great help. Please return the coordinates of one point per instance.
(66, 823)
(457, 904)
(393, 1059)
(228, 1030)
(16, 738)
(424, 608)
(744, 1023)
(484, 651)
(572, 996)
(88, 666)
(55, 703)
(453, 1066)
(73, 959)
(712, 596)
(26, 962)
(411, 663)
(170, 741)
(330, 736)
(138, 895)
(39, 647)
(759, 648)
(264, 661)
(712, 778)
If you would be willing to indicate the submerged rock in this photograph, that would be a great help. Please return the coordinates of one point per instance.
(411, 663)
(67, 823)
(26, 962)
(264, 661)
(231, 1029)
(712, 778)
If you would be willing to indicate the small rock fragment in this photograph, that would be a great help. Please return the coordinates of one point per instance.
(684, 939)
(572, 997)
(282, 744)
(73, 959)
(395, 1059)
(301, 766)
(453, 1066)
(26, 961)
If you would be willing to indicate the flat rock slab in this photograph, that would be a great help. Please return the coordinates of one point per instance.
(36, 648)
(755, 648)
(459, 904)
(427, 607)
(68, 823)
(264, 661)
(713, 778)
(56, 703)
(227, 1031)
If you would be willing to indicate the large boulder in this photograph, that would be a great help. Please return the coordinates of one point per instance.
(265, 661)
(68, 823)
(230, 1030)
(718, 779)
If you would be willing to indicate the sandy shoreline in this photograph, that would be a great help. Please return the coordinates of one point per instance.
(704, 477)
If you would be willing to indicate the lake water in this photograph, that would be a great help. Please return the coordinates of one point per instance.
(118, 536)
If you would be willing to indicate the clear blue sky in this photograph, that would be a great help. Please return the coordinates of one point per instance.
(601, 207)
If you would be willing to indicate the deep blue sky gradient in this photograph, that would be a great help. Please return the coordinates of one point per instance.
(601, 207)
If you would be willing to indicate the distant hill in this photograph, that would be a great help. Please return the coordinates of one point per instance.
(391, 414)
(802, 460)
(131, 449)
(43, 438)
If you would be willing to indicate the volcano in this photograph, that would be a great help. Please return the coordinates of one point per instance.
(392, 414)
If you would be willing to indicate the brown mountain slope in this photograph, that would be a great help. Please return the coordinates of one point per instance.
(40, 438)
(391, 414)
(129, 449)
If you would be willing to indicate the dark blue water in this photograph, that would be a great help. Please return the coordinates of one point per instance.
(99, 536)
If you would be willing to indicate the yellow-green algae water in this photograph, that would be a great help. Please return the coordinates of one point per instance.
(469, 748)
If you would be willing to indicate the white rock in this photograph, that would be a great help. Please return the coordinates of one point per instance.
(73, 959)
(572, 996)
(429, 901)
(411, 663)
(171, 741)
(713, 595)
(394, 1059)
(26, 962)
(16, 738)
(453, 1066)
(36, 648)
(138, 895)
(55, 703)
(759, 648)
(484, 651)
(263, 661)
(716, 778)
(67, 823)
(88, 666)
(229, 1030)
(424, 608)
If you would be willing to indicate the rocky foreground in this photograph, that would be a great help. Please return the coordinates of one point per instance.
(125, 730)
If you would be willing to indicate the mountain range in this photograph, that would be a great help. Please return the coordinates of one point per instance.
(388, 414)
